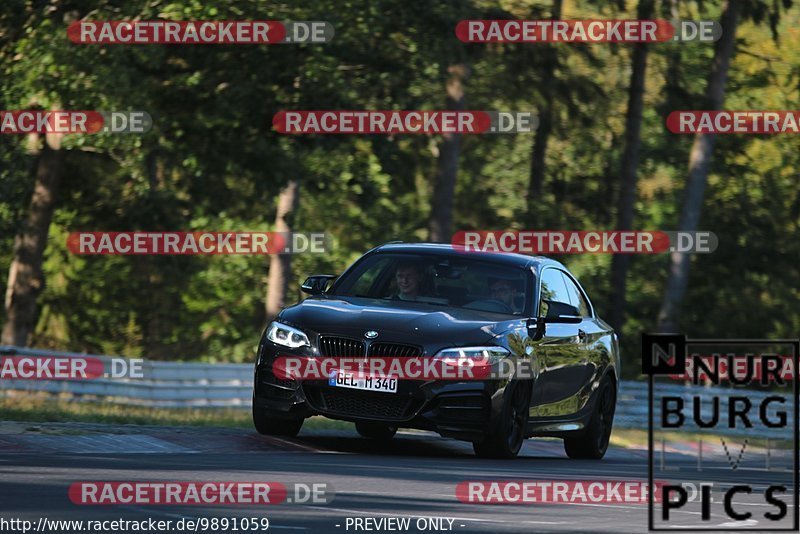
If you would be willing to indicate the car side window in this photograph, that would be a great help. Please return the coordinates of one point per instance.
(553, 289)
(363, 285)
(576, 297)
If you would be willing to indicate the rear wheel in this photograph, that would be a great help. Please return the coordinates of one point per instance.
(376, 430)
(269, 425)
(593, 443)
(506, 435)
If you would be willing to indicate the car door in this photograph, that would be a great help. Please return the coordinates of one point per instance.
(561, 356)
(590, 334)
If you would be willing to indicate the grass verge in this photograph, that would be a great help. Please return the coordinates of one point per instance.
(39, 409)
(627, 437)
(35, 409)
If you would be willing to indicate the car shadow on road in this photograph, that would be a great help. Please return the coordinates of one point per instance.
(417, 444)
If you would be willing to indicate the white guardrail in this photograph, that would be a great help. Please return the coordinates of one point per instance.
(210, 385)
(162, 384)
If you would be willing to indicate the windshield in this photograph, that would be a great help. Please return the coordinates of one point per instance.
(454, 281)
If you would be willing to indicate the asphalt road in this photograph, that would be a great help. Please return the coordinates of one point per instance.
(412, 477)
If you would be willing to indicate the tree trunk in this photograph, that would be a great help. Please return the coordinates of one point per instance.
(699, 164)
(675, 94)
(545, 115)
(25, 277)
(628, 170)
(280, 265)
(441, 221)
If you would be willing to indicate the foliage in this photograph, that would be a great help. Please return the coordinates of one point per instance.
(212, 161)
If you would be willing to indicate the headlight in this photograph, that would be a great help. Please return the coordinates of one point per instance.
(287, 336)
(458, 355)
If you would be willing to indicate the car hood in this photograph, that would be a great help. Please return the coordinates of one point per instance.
(406, 322)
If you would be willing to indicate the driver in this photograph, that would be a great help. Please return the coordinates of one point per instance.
(408, 277)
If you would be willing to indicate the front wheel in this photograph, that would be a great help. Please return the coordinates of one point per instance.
(593, 443)
(274, 426)
(506, 435)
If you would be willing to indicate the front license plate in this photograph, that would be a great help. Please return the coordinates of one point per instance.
(384, 384)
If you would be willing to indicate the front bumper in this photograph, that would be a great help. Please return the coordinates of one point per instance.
(458, 409)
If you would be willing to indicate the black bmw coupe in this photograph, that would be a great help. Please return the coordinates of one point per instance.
(430, 301)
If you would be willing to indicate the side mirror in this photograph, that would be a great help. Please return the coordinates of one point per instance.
(560, 312)
(317, 284)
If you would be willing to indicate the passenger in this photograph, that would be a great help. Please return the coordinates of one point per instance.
(505, 291)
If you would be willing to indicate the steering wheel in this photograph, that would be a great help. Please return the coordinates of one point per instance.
(499, 305)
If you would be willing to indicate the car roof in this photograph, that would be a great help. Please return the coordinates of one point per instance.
(505, 258)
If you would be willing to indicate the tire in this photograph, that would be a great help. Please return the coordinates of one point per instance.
(593, 443)
(506, 434)
(275, 426)
(376, 430)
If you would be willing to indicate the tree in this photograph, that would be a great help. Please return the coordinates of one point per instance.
(213, 162)
(280, 265)
(628, 169)
(699, 165)
(539, 148)
(441, 223)
(25, 276)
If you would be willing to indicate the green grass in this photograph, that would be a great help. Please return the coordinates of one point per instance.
(630, 437)
(50, 410)
(41, 409)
